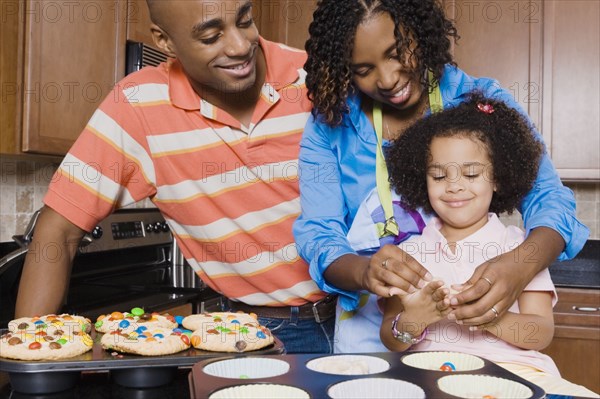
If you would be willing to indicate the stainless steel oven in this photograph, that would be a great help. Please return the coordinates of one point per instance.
(130, 259)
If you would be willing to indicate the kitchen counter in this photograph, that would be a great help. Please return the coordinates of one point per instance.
(581, 272)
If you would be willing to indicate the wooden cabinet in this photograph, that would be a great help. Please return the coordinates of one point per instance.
(285, 21)
(59, 60)
(576, 344)
(138, 22)
(571, 87)
(546, 53)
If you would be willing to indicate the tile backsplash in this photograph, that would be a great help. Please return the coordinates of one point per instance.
(24, 183)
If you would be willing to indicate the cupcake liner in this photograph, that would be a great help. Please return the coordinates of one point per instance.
(483, 386)
(348, 365)
(247, 368)
(260, 391)
(435, 361)
(383, 388)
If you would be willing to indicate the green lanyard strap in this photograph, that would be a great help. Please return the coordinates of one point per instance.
(390, 227)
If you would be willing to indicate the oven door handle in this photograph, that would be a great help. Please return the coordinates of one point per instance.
(150, 287)
(17, 255)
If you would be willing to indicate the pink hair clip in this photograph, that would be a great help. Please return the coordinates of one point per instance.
(486, 108)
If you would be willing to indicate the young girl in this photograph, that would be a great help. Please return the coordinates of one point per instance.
(465, 165)
(374, 68)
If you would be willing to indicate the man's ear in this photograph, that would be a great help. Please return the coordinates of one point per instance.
(163, 41)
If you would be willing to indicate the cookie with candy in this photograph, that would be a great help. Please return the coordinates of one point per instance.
(48, 337)
(136, 317)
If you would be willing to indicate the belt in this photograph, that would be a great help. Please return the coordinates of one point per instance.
(320, 311)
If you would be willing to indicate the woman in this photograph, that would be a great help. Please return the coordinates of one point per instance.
(386, 64)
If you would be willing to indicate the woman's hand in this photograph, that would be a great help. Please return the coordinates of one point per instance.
(497, 283)
(392, 267)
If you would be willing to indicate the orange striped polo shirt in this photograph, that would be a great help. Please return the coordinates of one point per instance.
(229, 193)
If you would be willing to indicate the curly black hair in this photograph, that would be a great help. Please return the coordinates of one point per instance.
(513, 149)
(332, 32)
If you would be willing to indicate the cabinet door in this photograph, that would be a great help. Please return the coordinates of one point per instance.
(571, 82)
(285, 21)
(576, 344)
(497, 40)
(138, 22)
(74, 54)
(546, 53)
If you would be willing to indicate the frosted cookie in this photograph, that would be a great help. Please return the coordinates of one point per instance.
(49, 337)
(144, 341)
(232, 337)
(137, 317)
(206, 321)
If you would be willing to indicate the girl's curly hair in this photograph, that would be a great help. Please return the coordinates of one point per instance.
(332, 32)
(513, 149)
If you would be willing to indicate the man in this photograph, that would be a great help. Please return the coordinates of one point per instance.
(212, 137)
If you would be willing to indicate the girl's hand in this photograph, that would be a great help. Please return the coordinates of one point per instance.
(428, 305)
(392, 268)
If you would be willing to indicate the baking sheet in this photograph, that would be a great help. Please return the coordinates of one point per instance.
(316, 384)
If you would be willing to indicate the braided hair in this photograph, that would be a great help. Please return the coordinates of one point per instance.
(332, 33)
(513, 149)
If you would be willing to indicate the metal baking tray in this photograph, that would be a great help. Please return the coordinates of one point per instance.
(47, 376)
(316, 384)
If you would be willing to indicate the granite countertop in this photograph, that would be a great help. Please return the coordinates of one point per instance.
(581, 272)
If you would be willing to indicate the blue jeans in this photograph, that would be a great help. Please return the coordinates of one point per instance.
(302, 336)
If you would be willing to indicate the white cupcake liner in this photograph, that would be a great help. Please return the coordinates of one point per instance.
(247, 368)
(435, 360)
(260, 391)
(348, 365)
(384, 388)
(479, 386)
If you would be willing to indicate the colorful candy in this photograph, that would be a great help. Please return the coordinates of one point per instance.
(55, 345)
(137, 311)
(117, 315)
(35, 345)
(447, 366)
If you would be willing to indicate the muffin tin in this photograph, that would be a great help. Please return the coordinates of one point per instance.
(295, 376)
(134, 371)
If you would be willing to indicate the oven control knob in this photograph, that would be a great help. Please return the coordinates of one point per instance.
(157, 227)
(164, 226)
(149, 227)
(97, 232)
